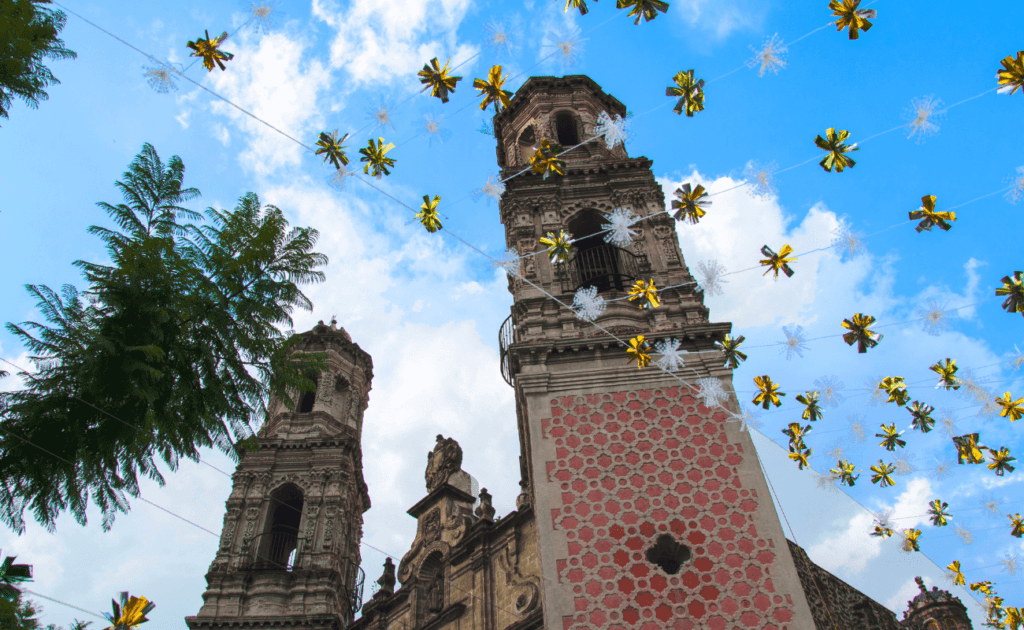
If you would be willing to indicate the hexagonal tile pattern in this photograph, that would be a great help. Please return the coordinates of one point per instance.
(634, 465)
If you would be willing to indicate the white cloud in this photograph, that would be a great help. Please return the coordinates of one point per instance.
(908, 591)
(721, 18)
(220, 132)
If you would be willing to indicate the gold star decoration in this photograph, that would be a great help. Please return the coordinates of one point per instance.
(1001, 461)
(1011, 76)
(646, 292)
(559, 246)
(890, 437)
(812, 411)
(646, 9)
(428, 214)
(130, 613)
(910, 538)
(374, 156)
(883, 474)
(937, 512)
(800, 457)
(958, 576)
(332, 149)
(923, 419)
(929, 217)
(1013, 619)
(860, 333)
(690, 93)
(947, 374)
(438, 79)
(638, 351)
(210, 51)
(1013, 289)
(985, 587)
(577, 4)
(730, 347)
(796, 435)
(967, 448)
(1018, 525)
(769, 392)
(836, 157)
(896, 388)
(546, 161)
(491, 90)
(881, 531)
(852, 17)
(778, 262)
(844, 470)
(1011, 408)
(690, 203)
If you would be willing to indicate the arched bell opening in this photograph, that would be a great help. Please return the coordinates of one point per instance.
(280, 541)
(597, 263)
(527, 144)
(566, 130)
(308, 397)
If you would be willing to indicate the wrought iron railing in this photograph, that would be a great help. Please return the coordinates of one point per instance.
(273, 550)
(606, 267)
(506, 337)
(355, 598)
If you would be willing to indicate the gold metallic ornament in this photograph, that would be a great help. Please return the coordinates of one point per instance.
(929, 217)
(852, 17)
(559, 246)
(438, 79)
(769, 392)
(491, 90)
(800, 457)
(860, 333)
(967, 448)
(646, 9)
(546, 160)
(958, 576)
(890, 437)
(1011, 408)
(428, 214)
(638, 351)
(947, 374)
(896, 388)
(837, 150)
(921, 413)
(646, 292)
(733, 357)
(577, 4)
(332, 149)
(1001, 461)
(778, 262)
(1013, 289)
(937, 512)
(130, 613)
(1011, 76)
(844, 470)
(209, 50)
(374, 155)
(812, 411)
(883, 474)
(690, 203)
(690, 93)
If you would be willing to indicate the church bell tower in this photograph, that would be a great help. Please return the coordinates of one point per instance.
(652, 510)
(289, 551)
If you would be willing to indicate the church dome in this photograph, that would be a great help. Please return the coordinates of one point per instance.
(928, 603)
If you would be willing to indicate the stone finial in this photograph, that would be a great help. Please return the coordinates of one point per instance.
(485, 510)
(334, 322)
(920, 585)
(387, 580)
(442, 462)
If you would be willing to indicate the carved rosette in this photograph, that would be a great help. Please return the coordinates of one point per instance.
(330, 512)
(312, 512)
(230, 521)
(251, 514)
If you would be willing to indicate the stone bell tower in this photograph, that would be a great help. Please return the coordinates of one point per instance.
(289, 550)
(652, 510)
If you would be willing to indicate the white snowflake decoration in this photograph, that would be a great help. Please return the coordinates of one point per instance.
(904, 463)
(826, 481)
(493, 189)
(672, 356)
(1016, 193)
(829, 388)
(762, 179)
(337, 178)
(711, 392)
(615, 130)
(161, 78)
(878, 396)
(1010, 563)
(711, 282)
(923, 117)
(992, 505)
(587, 304)
(989, 409)
(965, 534)
(747, 418)
(380, 116)
(883, 519)
(948, 422)
(971, 388)
(568, 41)
(432, 126)
(836, 453)
(261, 14)
(934, 318)
(795, 343)
(846, 243)
(1017, 361)
(510, 262)
(502, 37)
(943, 470)
(770, 56)
(618, 225)
(857, 433)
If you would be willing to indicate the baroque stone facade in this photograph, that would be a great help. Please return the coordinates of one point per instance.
(641, 508)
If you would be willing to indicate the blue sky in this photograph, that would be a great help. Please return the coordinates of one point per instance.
(413, 299)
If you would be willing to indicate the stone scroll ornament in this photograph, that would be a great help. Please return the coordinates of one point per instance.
(442, 462)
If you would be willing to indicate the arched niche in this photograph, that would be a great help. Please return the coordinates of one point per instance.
(566, 129)
(281, 535)
(527, 143)
(308, 398)
(430, 585)
(597, 263)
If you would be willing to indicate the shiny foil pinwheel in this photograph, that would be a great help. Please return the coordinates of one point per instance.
(331, 147)
(910, 540)
(690, 93)
(812, 411)
(730, 348)
(375, 157)
(1014, 619)
(883, 474)
(844, 471)
(929, 217)
(646, 292)
(1001, 461)
(492, 91)
(437, 79)
(836, 157)
(559, 246)
(1013, 289)
(428, 214)
(1018, 525)
(860, 334)
(958, 576)
(690, 203)
(968, 449)
(1011, 408)
(947, 374)
(896, 388)
(890, 437)
(210, 52)
(937, 512)
(778, 262)
(851, 16)
(881, 531)
(638, 351)
(646, 9)
(796, 435)
(800, 457)
(546, 160)
(1011, 76)
(130, 613)
(769, 394)
(985, 587)
(922, 415)
(577, 4)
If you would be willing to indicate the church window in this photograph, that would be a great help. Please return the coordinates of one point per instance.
(280, 542)
(565, 129)
(597, 263)
(308, 397)
(668, 554)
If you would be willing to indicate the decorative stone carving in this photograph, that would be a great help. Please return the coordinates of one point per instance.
(330, 512)
(669, 249)
(485, 510)
(260, 481)
(387, 580)
(325, 393)
(316, 481)
(251, 515)
(311, 513)
(508, 561)
(230, 521)
(431, 529)
(442, 462)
